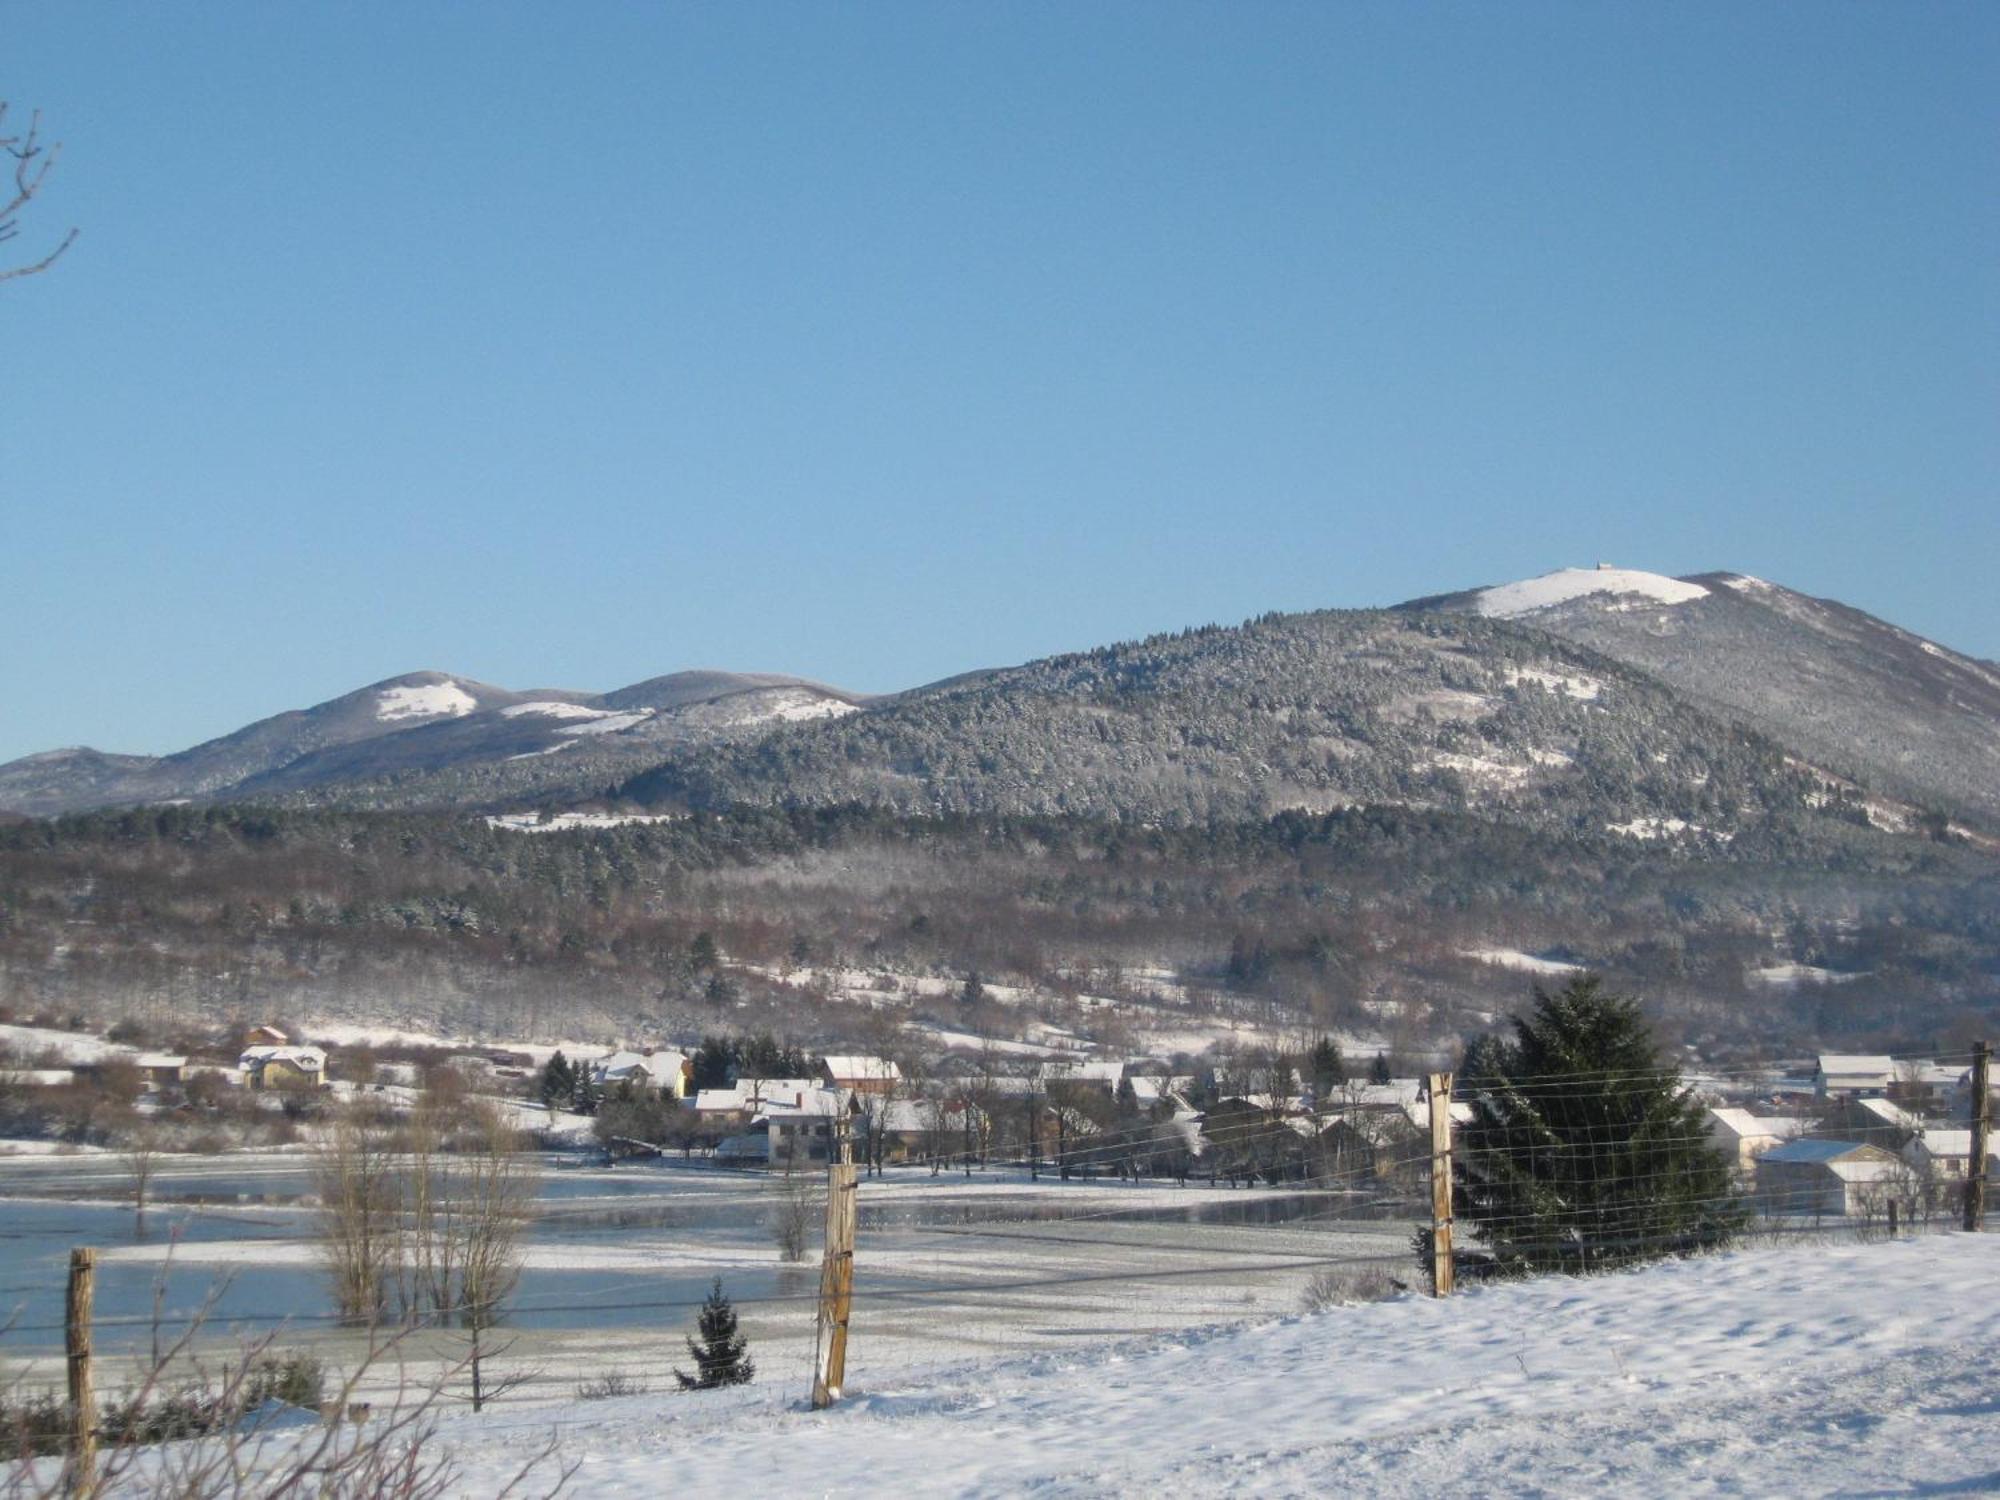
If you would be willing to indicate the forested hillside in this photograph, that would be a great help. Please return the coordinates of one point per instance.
(1385, 922)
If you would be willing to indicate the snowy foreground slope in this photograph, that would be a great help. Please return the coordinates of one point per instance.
(1811, 1370)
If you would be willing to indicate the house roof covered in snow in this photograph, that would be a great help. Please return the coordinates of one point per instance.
(1889, 1112)
(1084, 1072)
(305, 1059)
(1856, 1065)
(1955, 1144)
(1846, 1159)
(854, 1069)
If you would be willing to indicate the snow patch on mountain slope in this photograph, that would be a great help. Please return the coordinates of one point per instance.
(805, 707)
(550, 709)
(1584, 689)
(437, 700)
(564, 822)
(608, 724)
(1526, 963)
(1507, 600)
(1661, 828)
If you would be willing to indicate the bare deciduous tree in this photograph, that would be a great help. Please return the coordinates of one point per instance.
(140, 1154)
(32, 162)
(354, 1172)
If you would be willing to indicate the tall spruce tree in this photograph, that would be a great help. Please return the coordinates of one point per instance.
(1327, 1067)
(558, 1082)
(1583, 1151)
(720, 1353)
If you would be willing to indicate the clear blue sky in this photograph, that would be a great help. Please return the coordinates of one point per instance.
(564, 345)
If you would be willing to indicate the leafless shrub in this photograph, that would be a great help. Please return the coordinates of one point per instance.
(1333, 1287)
(235, 1430)
(610, 1387)
(792, 1218)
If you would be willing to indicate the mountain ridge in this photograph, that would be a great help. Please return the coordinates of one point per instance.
(1681, 705)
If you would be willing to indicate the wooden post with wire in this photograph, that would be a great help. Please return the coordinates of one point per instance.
(1440, 1092)
(1982, 1139)
(836, 1280)
(81, 1473)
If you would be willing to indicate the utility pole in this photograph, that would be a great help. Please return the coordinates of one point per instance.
(1034, 1136)
(1441, 1266)
(1982, 1136)
(81, 1473)
(836, 1279)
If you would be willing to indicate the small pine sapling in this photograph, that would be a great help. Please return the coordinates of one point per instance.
(721, 1353)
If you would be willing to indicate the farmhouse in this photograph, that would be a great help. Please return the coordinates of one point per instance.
(1839, 1178)
(670, 1072)
(274, 1067)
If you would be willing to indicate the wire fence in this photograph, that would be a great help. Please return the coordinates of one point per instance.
(1007, 1248)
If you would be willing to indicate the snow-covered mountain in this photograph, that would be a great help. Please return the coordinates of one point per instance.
(427, 727)
(1856, 696)
(1598, 699)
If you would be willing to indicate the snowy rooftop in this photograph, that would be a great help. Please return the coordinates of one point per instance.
(1826, 1152)
(871, 1069)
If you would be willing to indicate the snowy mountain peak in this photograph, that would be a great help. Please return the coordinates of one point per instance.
(1508, 600)
(424, 700)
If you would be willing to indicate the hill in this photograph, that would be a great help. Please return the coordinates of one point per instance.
(1867, 701)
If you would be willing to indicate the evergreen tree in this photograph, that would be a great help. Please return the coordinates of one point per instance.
(1327, 1068)
(558, 1082)
(721, 1353)
(714, 1063)
(1126, 1098)
(702, 952)
(1378, 1071)
(1583, 1151)
(973, 991)
(586, 1096)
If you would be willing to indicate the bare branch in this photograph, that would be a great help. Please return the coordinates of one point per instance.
(32, 163)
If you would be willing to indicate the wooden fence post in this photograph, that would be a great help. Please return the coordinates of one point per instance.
(1982, 1123)
(82, 1470)
(1441, 1266)
(836, 1280)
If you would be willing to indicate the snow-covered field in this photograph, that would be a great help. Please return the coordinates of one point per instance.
(1853, 1370)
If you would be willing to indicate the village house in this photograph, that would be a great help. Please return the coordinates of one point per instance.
(266, 1036)
(1879, 1121)
(275, 1067)
(790, 1128)
(161, 1071)
(1942, 1156)
(1100, 1075)
(748, 1098)
(861, 1075)
(1841, 1179)
(1850, 1075)
(669, 1072)
(1746, 1137)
